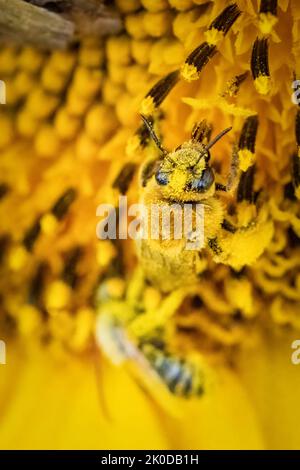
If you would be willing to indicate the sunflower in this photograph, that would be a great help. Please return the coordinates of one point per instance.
(70, 136)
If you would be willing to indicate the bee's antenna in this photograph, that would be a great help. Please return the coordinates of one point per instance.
(152, 133)
(211, 143)
(218, 137)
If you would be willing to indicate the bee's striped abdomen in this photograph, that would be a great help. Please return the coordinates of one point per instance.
(182, 378)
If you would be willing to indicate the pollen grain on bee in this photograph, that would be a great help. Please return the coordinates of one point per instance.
(177, 221)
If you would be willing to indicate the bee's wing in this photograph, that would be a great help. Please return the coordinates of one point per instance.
(140, 368)
(98, 361)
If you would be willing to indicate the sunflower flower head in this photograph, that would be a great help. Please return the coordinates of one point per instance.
(72, 138)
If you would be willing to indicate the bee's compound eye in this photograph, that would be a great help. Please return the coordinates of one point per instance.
(203, 183)
(161, 178)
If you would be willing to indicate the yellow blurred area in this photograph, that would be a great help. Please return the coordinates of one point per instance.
(46, 403)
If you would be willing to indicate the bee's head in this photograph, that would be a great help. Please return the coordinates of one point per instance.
(185, 174)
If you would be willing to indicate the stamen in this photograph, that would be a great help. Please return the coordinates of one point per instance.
(59, 210)
(268, 6)
(248, 135)
(247, 143)
(296, 172)
(216, 31)
(69, 275)
(143, 135)
(197, 60)
(32, 234)
(4, 189)
(297, 128)
(233, 85)
(201, 132)
(245, 187)
(124, 178)
(224, 21)
(289, 191)
(260, 66)
(37, 284)
(4, 243)
(267, 17)
(158, 93)
(62, 205)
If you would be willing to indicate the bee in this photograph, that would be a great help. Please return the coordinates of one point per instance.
(146, 354)
(236, 230)
(183, 176)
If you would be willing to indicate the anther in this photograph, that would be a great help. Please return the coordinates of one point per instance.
(158, 93)
(124, 178)
(260, 66)
(32, 234)
(224, 21)
(268, 6)
(69, 275)
(247, 143)
(245, 188)
(62, 205)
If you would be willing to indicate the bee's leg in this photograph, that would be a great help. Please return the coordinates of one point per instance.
(233, 173)
(243, 155)
(248, 231)
(136, 288)
(116, 307)
(153, 319)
